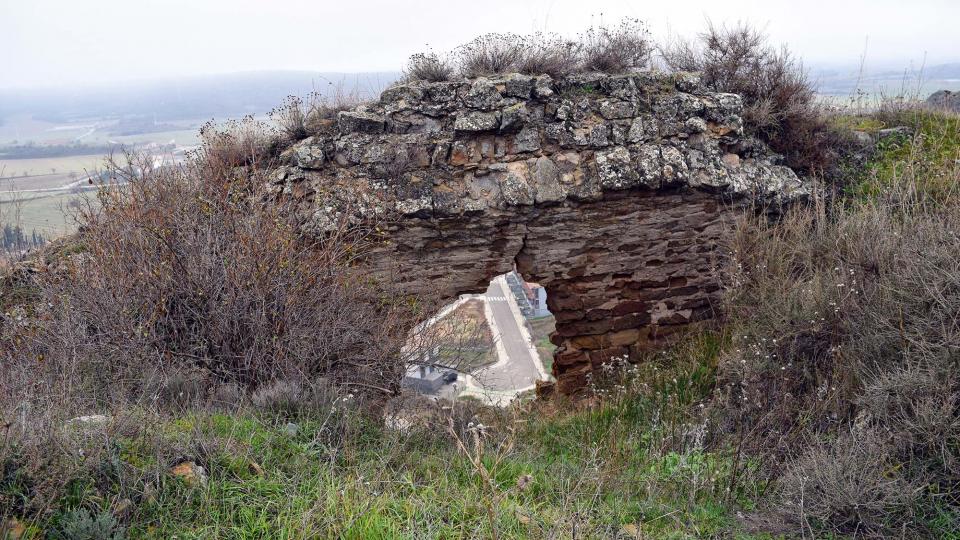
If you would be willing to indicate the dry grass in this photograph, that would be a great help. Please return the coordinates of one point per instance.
(428, 67)
(850, 486)
(489, 54)
(843, 368)
(245, 142)
(619, 48)
(548, 54)
(630, 461)
(298, 118)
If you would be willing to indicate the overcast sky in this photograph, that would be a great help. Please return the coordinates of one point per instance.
(71, 42)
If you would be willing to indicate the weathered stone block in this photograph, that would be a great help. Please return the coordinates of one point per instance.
(464, 152)
(528, 140)
(519, 86)
(621, 338)
(647, 160)
(515, 184)
(307, 154)
(514, 117)
(615, 110)
(616, 169)
(546, 181)
(474, 121)
(360, 122)
(483, 94)
(543, 87)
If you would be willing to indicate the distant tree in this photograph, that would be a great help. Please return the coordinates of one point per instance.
(13, 239)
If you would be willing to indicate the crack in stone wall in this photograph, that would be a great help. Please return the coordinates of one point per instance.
(616, 192)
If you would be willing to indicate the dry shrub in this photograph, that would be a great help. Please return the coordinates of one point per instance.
(188, 288)
(489, 54)
(428, 67)
(616, 49)
(849, 486)
(197, 269)
(235, 143)
(548, 54)
(846, 320)
(621, 48)
(918, 402)
(298, 118)
(779, 100)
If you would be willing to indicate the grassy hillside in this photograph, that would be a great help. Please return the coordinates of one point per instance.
(632, 462)
(762, 429)
(192, 366)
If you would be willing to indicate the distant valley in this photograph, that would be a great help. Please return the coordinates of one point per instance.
(52, 141)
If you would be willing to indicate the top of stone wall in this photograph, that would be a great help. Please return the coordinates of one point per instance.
(449, 148)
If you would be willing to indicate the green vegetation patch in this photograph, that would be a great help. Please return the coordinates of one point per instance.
(631, 462)
(925, 161)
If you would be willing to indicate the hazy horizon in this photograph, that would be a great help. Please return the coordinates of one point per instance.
(102, 42)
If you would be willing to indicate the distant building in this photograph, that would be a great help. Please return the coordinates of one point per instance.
(537, 296)
(425, 379)
(531, 297)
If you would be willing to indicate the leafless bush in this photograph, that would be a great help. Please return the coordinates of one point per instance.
(918, 403)
(428, 67)
(850, 486)
(186, 288)
(489, 54)
(196, 269)
(779, 100)
(298, 118)
(546, 54)
(616, 49)
(846, 320)
(237, 142)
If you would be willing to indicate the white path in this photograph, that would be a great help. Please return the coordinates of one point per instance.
(518, 364)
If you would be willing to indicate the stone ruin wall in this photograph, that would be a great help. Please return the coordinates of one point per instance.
(616, 193)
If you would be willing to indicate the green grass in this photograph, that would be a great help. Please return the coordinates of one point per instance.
(869, 124)
(542, 328)
(927, 162)
(630, 463)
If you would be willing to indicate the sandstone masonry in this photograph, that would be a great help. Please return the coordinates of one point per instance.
(616, 192)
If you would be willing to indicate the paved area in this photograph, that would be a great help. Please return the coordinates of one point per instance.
(518, 365)
(517, 368)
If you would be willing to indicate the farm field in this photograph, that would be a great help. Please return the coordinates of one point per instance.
(15, 168)
(38, 182)
(21, 129)
(464, 337)
(47, 213)
(33, 191)
(21, 202)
